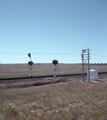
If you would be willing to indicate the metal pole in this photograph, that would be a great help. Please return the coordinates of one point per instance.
(30, 68)
(83, 64)
(30, 71)
(88, 67)
(55, 72)
(58, 69)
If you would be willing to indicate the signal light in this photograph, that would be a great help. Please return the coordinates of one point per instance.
(55, 62)
(29, 55)
(30, 63)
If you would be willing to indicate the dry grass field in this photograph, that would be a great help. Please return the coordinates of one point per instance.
(71, 100)
(22, 70)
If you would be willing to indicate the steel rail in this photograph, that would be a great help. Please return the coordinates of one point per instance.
(45, 76)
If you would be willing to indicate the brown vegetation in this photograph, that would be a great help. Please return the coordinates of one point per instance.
(22, 70)
(72, 100)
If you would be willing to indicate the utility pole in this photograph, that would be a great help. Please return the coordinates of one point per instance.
(88, 66)
(83, 64)
(86, 56)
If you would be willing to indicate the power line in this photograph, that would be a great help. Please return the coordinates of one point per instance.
(40, 53)
(99, 55)
(11, 53)
(55, 53)
(52, 54)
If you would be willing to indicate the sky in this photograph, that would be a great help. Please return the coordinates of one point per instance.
(53, 29)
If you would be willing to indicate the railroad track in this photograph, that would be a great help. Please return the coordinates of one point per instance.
(38, 78)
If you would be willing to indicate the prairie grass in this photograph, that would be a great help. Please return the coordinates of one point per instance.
(22, 70)
(70, 100)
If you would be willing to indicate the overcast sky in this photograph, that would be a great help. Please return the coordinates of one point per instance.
(52, 29)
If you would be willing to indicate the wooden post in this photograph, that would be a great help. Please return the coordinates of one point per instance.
(83, 65)
(88, 67)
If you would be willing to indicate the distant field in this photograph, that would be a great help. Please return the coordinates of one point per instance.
(22, 70)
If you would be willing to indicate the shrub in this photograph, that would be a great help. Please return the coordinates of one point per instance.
(10, 110)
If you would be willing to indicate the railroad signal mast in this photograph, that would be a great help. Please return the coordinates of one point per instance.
(55, 62)
(30, 64)
(86, 57)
